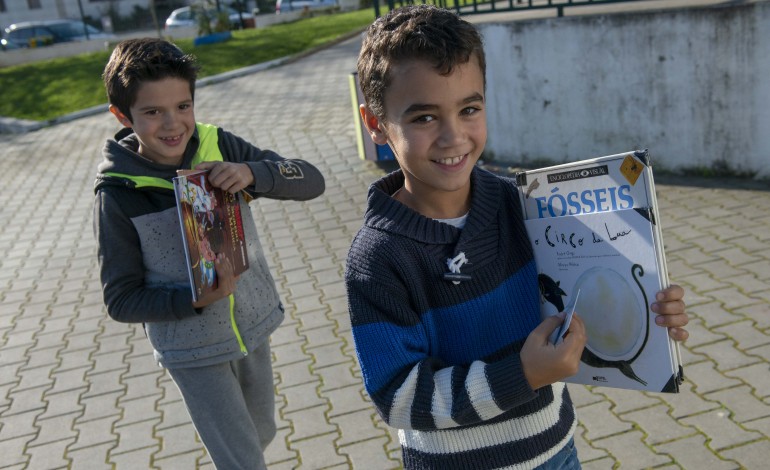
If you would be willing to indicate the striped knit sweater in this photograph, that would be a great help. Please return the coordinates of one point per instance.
(440, 359)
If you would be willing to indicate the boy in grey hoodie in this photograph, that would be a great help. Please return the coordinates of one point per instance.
(216, 349)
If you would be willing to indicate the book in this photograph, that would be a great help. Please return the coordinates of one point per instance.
(211, 223)
(595, 231)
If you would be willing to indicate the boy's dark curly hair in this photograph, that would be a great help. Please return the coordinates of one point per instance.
(422, 32)
(135, 61)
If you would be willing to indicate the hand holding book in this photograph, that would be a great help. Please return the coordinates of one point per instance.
(670, 307)
(230, 177)
(226, 280)
(544, 363)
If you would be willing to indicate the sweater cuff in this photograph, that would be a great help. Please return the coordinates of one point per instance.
(508, 384)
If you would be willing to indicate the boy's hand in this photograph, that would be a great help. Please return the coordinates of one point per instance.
(670, 309)
(544, 363)
(232, 177)
(225, 282)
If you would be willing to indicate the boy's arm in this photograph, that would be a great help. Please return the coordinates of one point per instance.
(410, 388)
(274, 176)
(122, 271)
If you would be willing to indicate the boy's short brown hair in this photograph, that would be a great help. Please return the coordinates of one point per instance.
(422, 32)
(135, 61)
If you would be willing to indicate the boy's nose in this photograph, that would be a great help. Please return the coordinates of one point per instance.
(169, 119)
(452, 132)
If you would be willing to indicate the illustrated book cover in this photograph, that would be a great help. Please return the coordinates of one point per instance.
(597, 240)
(211, 223)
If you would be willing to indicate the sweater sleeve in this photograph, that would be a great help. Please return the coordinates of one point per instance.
(121, 270)
(274, 176)
(411, 386)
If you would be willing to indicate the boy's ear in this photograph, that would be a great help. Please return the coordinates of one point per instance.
(373, 126)
(122, 118)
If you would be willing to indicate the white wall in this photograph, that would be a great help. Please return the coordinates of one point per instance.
(692, 85)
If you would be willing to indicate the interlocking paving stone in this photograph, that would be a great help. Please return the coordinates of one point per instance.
(79, 390)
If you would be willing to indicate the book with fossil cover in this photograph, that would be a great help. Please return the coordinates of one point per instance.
(595, 231)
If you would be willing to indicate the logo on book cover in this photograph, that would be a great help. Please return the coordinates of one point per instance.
(600, 170)
(631, 168)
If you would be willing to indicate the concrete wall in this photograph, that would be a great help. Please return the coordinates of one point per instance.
(692, 85)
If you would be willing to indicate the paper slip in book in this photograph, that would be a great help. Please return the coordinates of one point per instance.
(594, 229)
(211, 223)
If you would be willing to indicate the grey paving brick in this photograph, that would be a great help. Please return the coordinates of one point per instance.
(744, 334)
(178, 440)
(629, 450)
(756, 376)
(95, 457)
(600, 422)
(278, 452)
(587, 452)
(302, 396)
(624, 401)
(729, 356)
(179, 461)
(316, 452)
(357, 427)
(682, 452)
(723, 432)
(94, 432)
(310, 422)
(742, 404)
(320, 336)
(348, 399)
(714, 314)
(294, 374)
(50, 456)
(707, 379)
(658, 424)
(369, 454)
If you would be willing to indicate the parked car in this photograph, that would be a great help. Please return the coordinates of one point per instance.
(188, 16)
(282, 6)
(45, 33)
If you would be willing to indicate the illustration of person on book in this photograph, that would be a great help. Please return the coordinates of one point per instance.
(208, 257)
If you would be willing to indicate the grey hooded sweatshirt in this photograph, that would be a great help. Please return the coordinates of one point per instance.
(142, 263)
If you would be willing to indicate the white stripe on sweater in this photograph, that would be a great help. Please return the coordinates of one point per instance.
(452, 441)
(441, 407)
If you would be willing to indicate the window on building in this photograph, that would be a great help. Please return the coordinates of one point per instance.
(33, 4)
(2, 6)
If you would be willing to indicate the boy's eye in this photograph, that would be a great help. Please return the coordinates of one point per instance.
(424, 118)
(151, 112)
(185, 106)
(470, 110)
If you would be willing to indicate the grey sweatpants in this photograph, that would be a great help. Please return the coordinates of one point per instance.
(232, 406)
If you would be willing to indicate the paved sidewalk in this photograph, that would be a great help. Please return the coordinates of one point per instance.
(78, 390)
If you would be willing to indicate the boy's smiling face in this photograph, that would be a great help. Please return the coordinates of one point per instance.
(436, 126)
(163, 119)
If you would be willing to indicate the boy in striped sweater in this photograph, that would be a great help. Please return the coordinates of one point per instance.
(441, 281)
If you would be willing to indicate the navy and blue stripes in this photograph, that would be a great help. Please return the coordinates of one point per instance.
(441, 360)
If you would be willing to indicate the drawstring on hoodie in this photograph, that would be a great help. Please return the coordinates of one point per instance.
(454, 265)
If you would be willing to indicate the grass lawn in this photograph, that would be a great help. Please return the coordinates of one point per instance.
(48, 89)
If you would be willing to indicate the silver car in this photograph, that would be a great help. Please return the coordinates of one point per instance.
(187, 16)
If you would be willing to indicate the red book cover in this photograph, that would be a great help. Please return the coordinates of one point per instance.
(211, 223)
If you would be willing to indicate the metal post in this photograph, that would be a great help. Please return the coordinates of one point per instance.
(83, 19)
